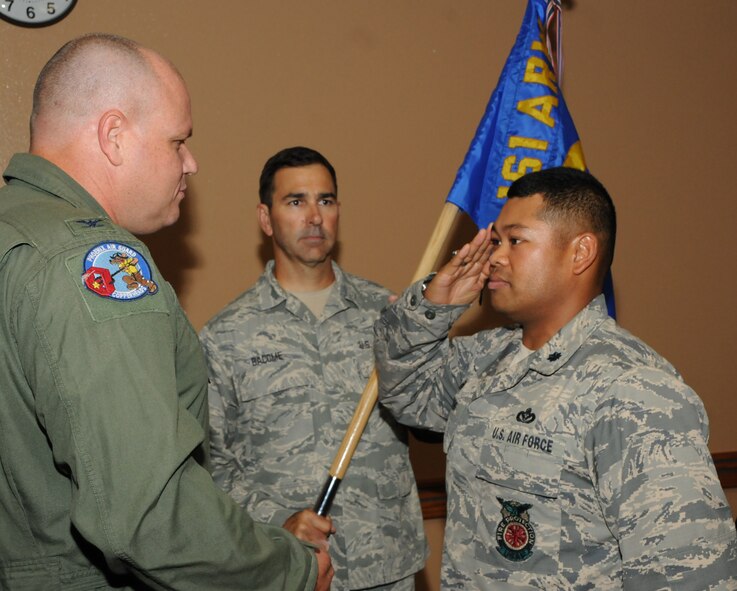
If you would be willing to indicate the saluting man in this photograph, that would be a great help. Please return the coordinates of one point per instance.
(577, 457)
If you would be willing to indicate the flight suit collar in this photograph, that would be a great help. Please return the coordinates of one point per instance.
(46, 176)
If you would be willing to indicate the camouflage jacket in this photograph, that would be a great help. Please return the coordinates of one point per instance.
(283, 388)
(581, 466)
(104, 414)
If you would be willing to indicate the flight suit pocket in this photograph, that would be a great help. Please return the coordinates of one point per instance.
(519, 514)
(31, 575)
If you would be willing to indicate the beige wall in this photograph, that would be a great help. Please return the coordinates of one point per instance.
(392, 90)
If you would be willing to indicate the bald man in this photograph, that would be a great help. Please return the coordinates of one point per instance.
(102, 381)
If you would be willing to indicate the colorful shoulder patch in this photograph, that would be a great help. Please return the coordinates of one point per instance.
(515, 536)
(117, 271)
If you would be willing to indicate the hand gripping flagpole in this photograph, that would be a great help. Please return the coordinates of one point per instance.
(370, 393)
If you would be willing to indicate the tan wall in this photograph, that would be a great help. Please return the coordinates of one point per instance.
(392, 90)
(429, 578)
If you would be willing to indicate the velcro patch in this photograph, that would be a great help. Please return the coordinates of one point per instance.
(80, 226)
(117, 271)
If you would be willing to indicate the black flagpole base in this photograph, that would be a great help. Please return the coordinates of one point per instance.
(322, 507)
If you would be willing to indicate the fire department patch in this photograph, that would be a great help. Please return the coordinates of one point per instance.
(515, 536)
(117, 271)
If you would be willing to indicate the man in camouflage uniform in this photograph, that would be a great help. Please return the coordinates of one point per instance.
(288, 361)
(103, 384)
(576, 456)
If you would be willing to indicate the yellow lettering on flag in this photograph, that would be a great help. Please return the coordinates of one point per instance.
(574, 158)
(517, 141)
(539, 108)
(540, 45)
(525, 165)
(537, 70)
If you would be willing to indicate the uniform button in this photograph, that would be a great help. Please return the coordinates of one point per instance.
(413, 301)
(429, 314)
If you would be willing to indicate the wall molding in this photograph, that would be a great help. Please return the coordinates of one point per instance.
(433, 499)
(726, 465)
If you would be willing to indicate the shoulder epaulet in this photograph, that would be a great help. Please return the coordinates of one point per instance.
(10, 237)
(50, 227)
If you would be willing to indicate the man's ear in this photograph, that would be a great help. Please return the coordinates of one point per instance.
(264, 219)
(109, 131)
(585, 252)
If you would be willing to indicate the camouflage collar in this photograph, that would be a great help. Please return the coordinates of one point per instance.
(272, 294)
(558, 350)
(502, 367)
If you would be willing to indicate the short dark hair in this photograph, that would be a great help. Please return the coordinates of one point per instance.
(290, 158)
(573, 201)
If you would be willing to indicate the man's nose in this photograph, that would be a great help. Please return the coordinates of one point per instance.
(190, 164)
(498, 256)
(315, 215)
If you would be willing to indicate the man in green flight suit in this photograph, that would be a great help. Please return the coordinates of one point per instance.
(102, 381)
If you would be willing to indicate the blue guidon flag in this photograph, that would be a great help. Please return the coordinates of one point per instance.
(526, 126)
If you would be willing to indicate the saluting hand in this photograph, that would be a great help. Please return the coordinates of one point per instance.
(461, 279)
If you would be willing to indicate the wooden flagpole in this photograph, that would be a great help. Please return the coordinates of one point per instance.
(337, 471)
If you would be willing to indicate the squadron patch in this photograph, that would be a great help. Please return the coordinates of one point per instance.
(117, 271)
(515, 536)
